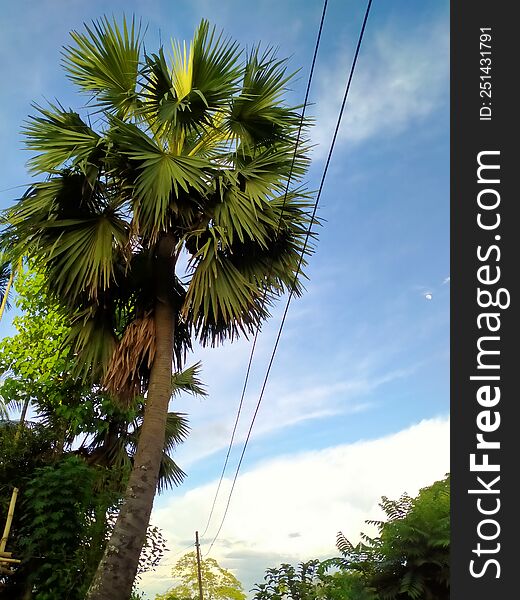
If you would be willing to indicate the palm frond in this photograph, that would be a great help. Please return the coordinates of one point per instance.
(237, 214)
(188, 380)
(177, 430)
(183, 95)
(92, 338)
(104, 61)
(72, 231)
(266, 171)
(162, 176)
(220, 301)
(215, 66)
(170, 474)
(257, 116)
(61, 138)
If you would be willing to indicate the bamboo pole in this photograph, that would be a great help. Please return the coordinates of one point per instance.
(8, 287)
(10, 560)
(9, 520)
(14, 496)
(14, 271)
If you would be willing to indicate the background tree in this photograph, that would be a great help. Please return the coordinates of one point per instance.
(61, 528)
(190, 154)
(21, 453)
(409, 559)
(311, 581)
(344, 585)
(288, 582)
(38, 366)
(78, 437)
(217, 583)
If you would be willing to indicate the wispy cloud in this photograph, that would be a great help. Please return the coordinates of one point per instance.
(398, 81)
(284, 406)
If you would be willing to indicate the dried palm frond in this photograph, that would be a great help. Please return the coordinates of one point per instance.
(133, 355)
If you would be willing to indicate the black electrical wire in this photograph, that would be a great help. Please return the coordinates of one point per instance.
(253, 347)
(329, 156)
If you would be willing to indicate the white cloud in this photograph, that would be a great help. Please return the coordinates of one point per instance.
(296, 392)
(398, 80)
(283, 406)
(290, 508)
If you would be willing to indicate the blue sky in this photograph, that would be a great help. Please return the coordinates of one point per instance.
(362, 367)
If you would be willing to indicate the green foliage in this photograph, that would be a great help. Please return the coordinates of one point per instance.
(58, 514)
(66, 520)
(31, 455)
(409, 559)
(36, 355)
(344, 585)
(288, 582)
(310, 581)
(68, 406)
(22, 451)
(217, 583)
(37, 363)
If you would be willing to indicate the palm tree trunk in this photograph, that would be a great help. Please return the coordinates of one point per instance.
(117, 570)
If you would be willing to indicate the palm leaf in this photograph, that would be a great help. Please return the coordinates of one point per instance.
(257, 116)
(162, 176)
(237, 215)
(104, 61)
(215, 66)
(183, 94)
(93, 340)
(170, 474)
(267, 170)
(188, 381)
(220, 301)
(177, 429)
(74, 233)
(60, 136)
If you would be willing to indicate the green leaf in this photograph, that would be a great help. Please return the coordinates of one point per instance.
(105, 61)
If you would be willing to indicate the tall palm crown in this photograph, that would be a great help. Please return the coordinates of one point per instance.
(197, 147)
(190, 155)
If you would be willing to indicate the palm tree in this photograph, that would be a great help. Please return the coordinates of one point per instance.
(186, 157)
(116, 444)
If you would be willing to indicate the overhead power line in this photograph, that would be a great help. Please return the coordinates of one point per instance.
(264, 297)
(325, 169)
